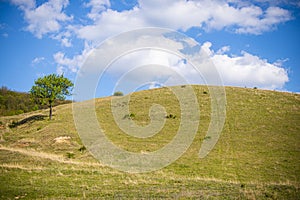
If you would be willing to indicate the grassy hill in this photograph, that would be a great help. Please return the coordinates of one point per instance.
(256, 157)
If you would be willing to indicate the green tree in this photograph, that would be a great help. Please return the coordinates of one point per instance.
(49, 88)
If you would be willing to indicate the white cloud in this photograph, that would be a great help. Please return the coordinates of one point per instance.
(64, 38)
(110, 23)
(157, 66)
(271, 17)
(46, 18)
(152, 62)
(97, 6)
(242, 17)
(239, 16)
(66, 42)
(181, 15)
(60, 70)
(37, 60)
(223, 50)
(248, 70)
(24, 4)
(243, 70)
(153, 85)
(65, 64)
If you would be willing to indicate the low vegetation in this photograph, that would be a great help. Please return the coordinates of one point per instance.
(118, 93)
(256, 157)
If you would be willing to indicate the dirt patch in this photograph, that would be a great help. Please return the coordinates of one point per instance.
(53, 157)
(25, 142)
(62, 139)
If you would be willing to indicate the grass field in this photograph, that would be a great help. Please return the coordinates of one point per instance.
(256, 157)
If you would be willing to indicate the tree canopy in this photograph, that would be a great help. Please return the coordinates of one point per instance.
(118, 93)
(49, 88)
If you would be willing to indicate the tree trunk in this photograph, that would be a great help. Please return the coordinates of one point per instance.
(50, 112)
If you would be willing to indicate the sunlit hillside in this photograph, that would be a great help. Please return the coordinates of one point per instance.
(256, 157)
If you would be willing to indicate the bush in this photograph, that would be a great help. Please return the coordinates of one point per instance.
(207, 137)
(82, 149)
(13, 124)
(118, 93)
(129, 116)
(70, 155)
(171, 116)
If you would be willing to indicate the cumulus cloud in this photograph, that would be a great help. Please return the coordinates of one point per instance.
(110, 22)
(272, 17)
(159, 67)
(241, 17)
(66, 64)
(46, 18)
(182, 15)
(64, 38)
(240, 70)
(97, 6)
(248, 70)
(24, 4)
(60, 70)
(236, 16)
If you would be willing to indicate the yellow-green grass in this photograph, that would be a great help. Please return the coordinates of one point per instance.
(256, 157)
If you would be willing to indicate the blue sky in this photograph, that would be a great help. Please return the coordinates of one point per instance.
(251, 43)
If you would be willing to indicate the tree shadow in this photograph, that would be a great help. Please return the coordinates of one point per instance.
(27, 120)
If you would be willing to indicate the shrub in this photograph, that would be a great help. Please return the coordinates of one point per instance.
(118, 93)
(255, 88)
(82, 149)
(171, 116)
(129, 116)
(204, 92)
(13, 124)
(70, 155)
(36, 107)
(17, 112)
(207, 137)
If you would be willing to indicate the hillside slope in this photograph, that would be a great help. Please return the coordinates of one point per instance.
(256, 157)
